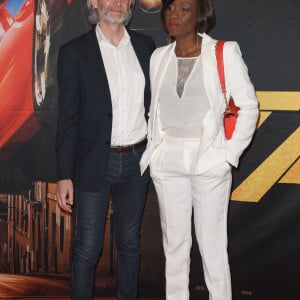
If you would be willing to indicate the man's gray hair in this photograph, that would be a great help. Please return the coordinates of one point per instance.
(94, 16)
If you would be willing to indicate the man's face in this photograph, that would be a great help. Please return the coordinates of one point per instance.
(112, 11)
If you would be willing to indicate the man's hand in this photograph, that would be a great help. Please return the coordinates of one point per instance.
(65, 194)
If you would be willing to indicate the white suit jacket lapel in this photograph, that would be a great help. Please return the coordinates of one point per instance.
(157, 73)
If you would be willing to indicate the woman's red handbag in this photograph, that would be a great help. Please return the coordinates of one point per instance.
(231, 110)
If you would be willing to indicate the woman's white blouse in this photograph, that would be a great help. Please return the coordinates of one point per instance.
(182, 116)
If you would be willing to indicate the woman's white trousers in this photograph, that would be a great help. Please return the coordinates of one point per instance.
(179, 192)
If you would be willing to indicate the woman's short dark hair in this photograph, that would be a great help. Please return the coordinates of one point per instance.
(206, 14)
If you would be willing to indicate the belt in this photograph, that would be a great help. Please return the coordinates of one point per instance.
(128, 148)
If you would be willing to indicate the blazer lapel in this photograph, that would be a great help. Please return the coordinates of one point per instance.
(210, 123)
(139, 49)
(158, 73)
(210, 75)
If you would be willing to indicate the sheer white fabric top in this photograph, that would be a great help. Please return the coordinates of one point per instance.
(183, 101)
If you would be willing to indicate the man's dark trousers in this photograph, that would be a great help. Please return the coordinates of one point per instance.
(129, 190)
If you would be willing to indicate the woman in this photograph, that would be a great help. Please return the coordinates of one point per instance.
(189, 156)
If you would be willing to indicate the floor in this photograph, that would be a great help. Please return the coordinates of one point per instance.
(64, 298)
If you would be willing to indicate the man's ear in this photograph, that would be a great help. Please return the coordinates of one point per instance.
(94, 3)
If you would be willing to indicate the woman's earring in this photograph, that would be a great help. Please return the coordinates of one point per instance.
(169, 39)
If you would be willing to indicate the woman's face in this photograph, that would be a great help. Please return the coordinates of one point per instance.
(181, 18)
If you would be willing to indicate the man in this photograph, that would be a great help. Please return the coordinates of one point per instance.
(104, 98)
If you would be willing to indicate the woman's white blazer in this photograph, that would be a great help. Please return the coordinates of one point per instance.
(213, 149)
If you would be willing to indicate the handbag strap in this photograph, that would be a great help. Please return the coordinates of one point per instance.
(220, 66)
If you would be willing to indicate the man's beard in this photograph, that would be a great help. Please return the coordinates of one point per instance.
(104, 14)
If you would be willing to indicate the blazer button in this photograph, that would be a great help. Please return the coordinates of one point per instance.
(109, 115)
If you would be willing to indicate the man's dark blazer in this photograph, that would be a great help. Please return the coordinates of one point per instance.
(85, 108)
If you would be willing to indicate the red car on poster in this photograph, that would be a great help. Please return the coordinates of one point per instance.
(24, 49)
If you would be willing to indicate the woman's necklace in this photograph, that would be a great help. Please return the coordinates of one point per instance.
(190, 52)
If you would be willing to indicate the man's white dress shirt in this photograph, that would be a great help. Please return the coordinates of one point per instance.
(126, 84)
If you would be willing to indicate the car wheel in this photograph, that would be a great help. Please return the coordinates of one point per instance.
(41, 44)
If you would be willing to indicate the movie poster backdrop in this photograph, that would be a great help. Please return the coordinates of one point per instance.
(264, 226)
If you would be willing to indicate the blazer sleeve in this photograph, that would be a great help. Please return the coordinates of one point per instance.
(239, 86)
(68, 111)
